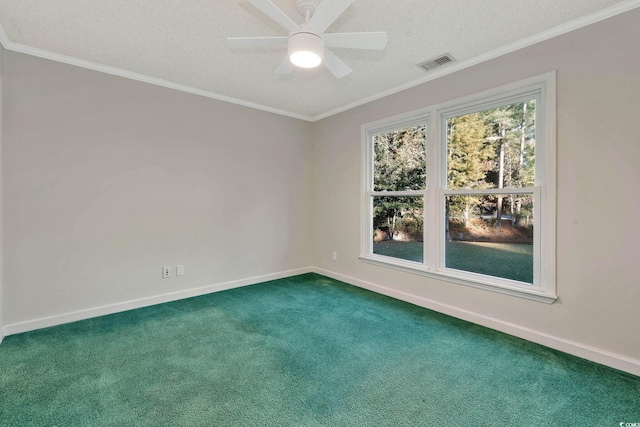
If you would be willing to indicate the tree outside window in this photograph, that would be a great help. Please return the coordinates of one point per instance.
(491, 233)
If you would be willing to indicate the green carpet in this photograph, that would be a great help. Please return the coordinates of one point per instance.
(301, 351)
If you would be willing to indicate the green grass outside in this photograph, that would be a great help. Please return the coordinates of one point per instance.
(506, 260)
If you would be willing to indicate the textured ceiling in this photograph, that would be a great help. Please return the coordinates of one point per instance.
(184, 42)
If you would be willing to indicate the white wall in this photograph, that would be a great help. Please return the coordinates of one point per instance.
(598, 247)
(107, 179)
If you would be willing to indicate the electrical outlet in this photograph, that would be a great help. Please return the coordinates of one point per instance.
(180, 270)
(334, 256)
(166, 271)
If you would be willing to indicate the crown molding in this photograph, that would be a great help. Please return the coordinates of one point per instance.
(623, 6)
(584, 21)
(65, 59)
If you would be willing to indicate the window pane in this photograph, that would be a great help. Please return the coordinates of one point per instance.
(477, 242)
(492, 148)
(400, 160)
(398, 226)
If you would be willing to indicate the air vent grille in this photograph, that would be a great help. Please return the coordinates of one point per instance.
(438, 61)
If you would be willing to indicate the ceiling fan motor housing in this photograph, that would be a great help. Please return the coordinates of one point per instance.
(306, 49)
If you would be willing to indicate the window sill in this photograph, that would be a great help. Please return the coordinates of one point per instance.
(534, 293)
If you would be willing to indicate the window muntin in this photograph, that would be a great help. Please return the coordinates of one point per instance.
(527, 187)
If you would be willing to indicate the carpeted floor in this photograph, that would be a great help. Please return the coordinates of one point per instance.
(301, 351)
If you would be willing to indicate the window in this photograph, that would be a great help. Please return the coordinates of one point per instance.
(399, 181)
(465, 190)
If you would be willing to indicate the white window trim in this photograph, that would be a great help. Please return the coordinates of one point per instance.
(543, 88)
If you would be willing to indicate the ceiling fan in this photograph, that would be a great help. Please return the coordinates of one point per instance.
(308, 43)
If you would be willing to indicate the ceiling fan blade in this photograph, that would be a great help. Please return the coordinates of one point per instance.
(240, 42)
(272, 11)
(334, 64)
(374, 41)
(286, 67)
(327, 12)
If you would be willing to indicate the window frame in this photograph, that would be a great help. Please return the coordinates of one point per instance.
(542, 88)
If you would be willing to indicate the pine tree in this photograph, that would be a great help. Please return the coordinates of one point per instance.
(467, 154)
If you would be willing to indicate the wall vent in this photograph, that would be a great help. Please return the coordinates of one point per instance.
(438, 61)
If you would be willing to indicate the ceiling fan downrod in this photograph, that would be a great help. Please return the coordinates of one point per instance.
(307, 8)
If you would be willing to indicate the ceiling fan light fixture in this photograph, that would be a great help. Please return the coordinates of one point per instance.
(306, 50)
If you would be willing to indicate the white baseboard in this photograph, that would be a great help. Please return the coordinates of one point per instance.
(583, 351)
(597, 355)
(45, 322)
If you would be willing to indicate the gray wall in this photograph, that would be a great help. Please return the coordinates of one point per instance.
(598, 155)
(107, 179)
